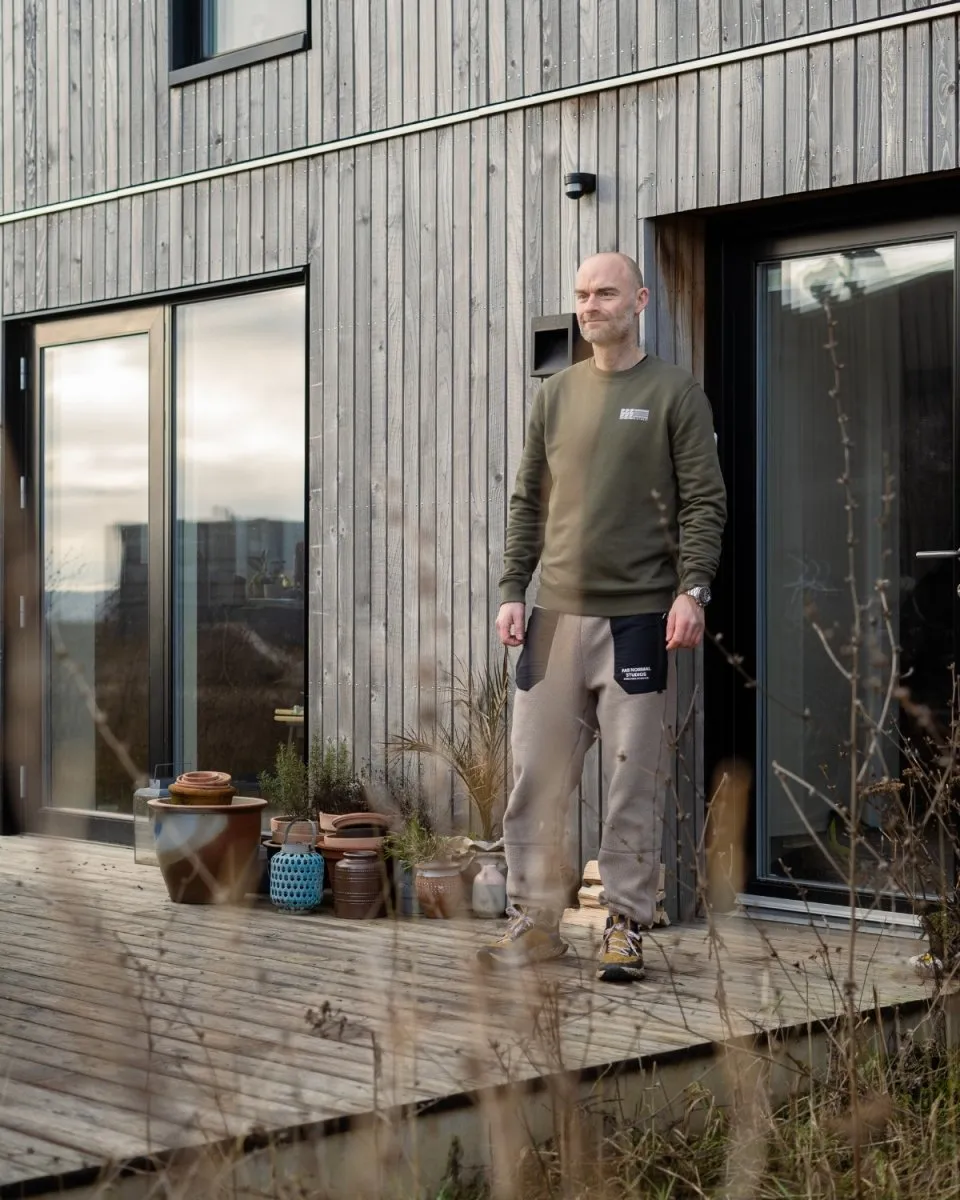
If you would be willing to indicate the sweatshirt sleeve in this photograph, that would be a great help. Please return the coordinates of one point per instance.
(701, 494)
(528, 510)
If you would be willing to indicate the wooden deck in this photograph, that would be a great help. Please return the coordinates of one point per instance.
(131, 1026)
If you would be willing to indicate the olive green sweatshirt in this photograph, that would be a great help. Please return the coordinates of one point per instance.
(619, 494)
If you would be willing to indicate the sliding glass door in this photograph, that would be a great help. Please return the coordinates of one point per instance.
(155, 554)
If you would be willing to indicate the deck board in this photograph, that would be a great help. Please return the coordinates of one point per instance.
(130, 1025)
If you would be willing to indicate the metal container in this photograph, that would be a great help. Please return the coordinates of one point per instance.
(360, 893)
(296, 874)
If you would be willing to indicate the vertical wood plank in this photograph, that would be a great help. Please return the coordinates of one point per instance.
(174, 275)
(6, 142)
(329, 35)
(708, 139)
(497, 52)
(188, 254)
(730, 135)
(587, 213)
(216, 223)
(569, 223)
(258, 109)
(892, 100)
(52, 293)
(359, 614)
(347, 72)
(52, 148)
(298, 134)
(19, 267)
(818, 15)
(687, 133)
(917, 92)
(688, 32)
(244, 231)
(148, 243)
(774, 24)
(378, 66)
(607, 169)
(819, 148)
(628, 133)
(461, 54)
(37, 62)
(88, 267)
(244, 115)
(730, 24)
(257, 221)
(138, 90)
(230, 118)
(396, 359)
(173, 112)
(497, 367)
(844, 112)
(666, 181)
(843, 13)
(550, 45)
(159, 52)
(39, 261)
(550, 215)
(751, 28)
(479, 393)
(271, 218)
(795, 19)
(627, 36)
(329, 440)
(26, 284)
(608, 56)
(411, 56)
(944, 51)
(569, 41)
(112, 96)
(299, 217)
(427, 58)
(666, 32)
(19, 122)
(188, 133)
(111, 249)
(344, 478)
(394, 72)
(774, 129)
(379, 527)
(229, 228)
(126, 247)
(751, 149)
(532, 65)
(868, 108)
(74, 101)
(479, 91)
(444, 58)
(215, 131)
(137, 246)
(315, 62)
(124, 50)
(202, 233)
(444, 437)
(425, 546)
(285, 227)
(284, 134)
(709, 27)
(795, 123)
(867, 10)
(589, 48)
(412, 230)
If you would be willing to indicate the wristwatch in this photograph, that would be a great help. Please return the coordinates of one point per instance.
(700, 593)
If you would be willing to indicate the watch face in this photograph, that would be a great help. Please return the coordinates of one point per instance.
(701, 595)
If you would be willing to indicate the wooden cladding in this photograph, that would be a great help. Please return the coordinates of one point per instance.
(87, 105)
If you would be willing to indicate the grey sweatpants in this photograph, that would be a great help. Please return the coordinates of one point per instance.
(579, 678)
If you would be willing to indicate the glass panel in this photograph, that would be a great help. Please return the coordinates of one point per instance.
(240, 500)
(890, 375)
(234, 24)
(94, 538)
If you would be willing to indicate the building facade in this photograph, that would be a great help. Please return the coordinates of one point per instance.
(269, 277)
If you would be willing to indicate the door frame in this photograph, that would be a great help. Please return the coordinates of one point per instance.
(737, 245)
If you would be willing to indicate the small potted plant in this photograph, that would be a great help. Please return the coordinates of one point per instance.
(287, 792)
(414, 843)
(438, 878)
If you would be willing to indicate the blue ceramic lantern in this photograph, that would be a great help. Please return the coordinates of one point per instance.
(296, 874)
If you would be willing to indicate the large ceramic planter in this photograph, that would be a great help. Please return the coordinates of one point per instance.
(208, 853)
(440, 889)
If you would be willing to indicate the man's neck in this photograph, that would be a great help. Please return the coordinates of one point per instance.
(621, 356)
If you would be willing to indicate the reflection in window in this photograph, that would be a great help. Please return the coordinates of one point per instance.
(240, 554)
(94, 535)
(233, 24)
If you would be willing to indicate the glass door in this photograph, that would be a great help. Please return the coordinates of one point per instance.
(97, 473)
(855, 438)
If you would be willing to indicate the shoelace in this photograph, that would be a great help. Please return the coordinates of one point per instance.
(519, 924)
(633, 940)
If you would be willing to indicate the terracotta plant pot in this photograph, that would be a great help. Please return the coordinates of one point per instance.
(360, 825)
(333, 849)
(440, 889)
(278, 828)
(202, 787)
(208, 853)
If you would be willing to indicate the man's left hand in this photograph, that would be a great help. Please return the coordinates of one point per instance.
(685, 624)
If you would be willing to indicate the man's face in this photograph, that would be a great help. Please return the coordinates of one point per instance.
(608, 300)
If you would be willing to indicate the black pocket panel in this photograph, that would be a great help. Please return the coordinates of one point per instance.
(535, 655)
(640, 653)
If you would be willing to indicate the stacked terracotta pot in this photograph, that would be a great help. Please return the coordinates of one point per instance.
(202, 787)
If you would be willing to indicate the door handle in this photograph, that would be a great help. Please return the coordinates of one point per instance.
(938, 554)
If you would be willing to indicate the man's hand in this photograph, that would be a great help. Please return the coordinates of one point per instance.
(685, 624)
(511, 624)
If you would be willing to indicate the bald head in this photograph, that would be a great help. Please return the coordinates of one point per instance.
(609, 296)
(614, 259)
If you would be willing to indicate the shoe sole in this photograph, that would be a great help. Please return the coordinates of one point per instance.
(613, 974)
(489, 958)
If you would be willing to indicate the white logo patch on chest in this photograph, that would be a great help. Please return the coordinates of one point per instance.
(634, 414)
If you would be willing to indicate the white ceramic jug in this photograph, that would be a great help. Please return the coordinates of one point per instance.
(489, 889)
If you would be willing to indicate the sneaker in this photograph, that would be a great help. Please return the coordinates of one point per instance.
(621, 956)
(526, 940)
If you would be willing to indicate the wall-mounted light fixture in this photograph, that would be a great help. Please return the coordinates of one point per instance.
(579, 184)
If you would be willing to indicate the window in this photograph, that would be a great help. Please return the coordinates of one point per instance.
(218, 35)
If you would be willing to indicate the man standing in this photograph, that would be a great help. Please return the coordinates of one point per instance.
(620, 499)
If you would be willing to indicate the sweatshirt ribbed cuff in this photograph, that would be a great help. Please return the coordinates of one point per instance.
(512, 593)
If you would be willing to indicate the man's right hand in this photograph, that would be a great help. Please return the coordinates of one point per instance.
(511, 624)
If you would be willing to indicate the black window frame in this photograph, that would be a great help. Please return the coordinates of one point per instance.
(188, 60)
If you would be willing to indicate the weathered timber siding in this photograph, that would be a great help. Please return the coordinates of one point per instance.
(86, 105)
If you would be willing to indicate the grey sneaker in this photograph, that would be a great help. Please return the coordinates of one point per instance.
(527, 939)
